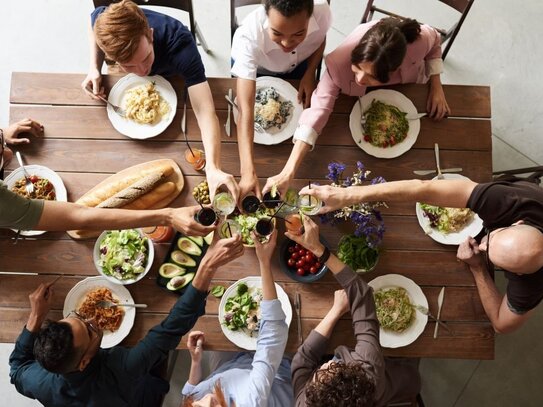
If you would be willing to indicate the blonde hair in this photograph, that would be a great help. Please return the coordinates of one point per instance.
(217, 390)
(118, 30)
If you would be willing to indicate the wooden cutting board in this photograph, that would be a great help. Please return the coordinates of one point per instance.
(176, 177)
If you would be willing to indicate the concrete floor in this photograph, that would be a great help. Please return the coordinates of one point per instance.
(497, 46)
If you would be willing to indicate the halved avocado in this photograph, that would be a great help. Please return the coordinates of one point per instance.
(183, 259)
(188, 246)
(169, 270)
(179, 282)
(209, 238)
(199, 240)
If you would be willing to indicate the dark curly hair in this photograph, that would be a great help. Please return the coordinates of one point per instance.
(289, 8)
(341, 385)
(54, 347)
(385, 45)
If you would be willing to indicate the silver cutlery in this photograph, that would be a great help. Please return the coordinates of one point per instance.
(117, 109)
(29, 186)
(416, 116)
(440, 299)
(425, 311)
(184, 117)
(109, 304)
(446, 170)
(298, 306)
(439, 173)
(257, 126)
(228, 124)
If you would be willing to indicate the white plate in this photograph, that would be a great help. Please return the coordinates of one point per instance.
(129, 127)
(77, 295)
(390, 97)
(96, 259)
(240, 338)
(44, 172)
(288, 92)
(390, 339)
(473, 228)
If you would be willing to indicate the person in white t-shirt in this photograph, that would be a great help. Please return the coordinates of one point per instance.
(282, 38)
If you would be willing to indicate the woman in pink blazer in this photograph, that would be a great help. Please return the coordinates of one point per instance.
(385, 52)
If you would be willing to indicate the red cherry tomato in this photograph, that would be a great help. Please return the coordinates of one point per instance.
(295, 256)
(309, 258)
(291, 262)
(300, 263)
(300, 272)
(307, 266)
(317, 265)
(313, 270)
(34, 178)
(297, 247)
(301, 252)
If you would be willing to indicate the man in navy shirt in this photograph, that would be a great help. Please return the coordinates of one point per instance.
(145, 42)
(61, 364)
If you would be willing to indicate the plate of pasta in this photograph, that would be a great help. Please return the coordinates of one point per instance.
(115, 322)
(396, 301)
(276, 110)
(451, 226)
(150, 103)
(47, 186)
(379, 123)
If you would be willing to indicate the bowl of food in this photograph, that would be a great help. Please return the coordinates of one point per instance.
(299, 263)
(248, 222)
(123, 256)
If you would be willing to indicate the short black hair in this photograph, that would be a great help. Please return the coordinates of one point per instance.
(385, 45)
(341, 384)
(54, 347)
(290, 8)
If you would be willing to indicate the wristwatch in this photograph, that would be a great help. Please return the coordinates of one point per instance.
(325, 255)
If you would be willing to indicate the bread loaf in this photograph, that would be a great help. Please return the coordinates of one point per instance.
(151, 198)
(104, 192)
(132, 193)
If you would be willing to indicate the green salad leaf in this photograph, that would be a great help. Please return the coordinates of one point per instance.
(355, 252)
(217, 291)
(242, 310)
(123, 254)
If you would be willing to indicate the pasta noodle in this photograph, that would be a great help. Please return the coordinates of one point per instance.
(144, 104)
(43, 188)
(106, 318)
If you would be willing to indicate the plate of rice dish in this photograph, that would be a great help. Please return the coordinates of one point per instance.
(445, 225)
(115, 322)
(396, 298)
(150, 103)
(276, 110)
(379, 123)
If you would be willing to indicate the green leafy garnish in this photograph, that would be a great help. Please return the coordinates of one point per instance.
(355, 252)
(217, 291)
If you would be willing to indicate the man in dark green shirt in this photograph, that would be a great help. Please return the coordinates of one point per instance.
(78, 373)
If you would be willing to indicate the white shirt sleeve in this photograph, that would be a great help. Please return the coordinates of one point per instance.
(434, 66)
(306, 134)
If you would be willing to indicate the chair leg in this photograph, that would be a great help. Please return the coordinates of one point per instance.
(420, 403)
(200, 37)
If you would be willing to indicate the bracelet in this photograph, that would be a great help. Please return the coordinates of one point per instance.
(325, 255)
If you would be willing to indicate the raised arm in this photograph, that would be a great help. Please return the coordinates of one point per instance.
(245, 91)
(451, 193)
(202, 103)
(96, 60)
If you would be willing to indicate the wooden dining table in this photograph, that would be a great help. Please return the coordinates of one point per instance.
(81, 145)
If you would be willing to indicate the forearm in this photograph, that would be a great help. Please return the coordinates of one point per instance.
(314, 60)
(333, 263)
(435, 81)
(491, 298)
(268, 285)
(34, 323)
(245, 90)
(195, 375)
(211, 137)
(327, 324)
(96, 54)
(296, 157)
(68, 216)
(203, 277)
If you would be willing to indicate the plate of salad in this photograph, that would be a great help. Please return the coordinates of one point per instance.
(450, 226)
(396, 301)
(247, 223)
(379, 123)
(123, 256)
(239, 311)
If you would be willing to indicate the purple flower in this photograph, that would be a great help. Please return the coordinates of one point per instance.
(378, 180)
(335, 170)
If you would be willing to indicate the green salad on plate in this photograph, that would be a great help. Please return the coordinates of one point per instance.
(123, 254)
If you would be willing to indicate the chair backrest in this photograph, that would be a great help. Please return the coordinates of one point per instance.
(183, 5)
(234, 4)
(447, 35)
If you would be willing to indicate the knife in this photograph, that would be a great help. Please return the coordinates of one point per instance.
(228, 124)
(440, 299)
(427, 172)
(298, 306)
(184, 117)
(416, 117)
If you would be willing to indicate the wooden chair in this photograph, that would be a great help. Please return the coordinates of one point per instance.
(183, 5)
(462, 6)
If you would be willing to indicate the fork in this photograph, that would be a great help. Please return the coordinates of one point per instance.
(439, 173)
(117, 109)
(425, 311)
(109, 304)
(29, 186)
(257, 126)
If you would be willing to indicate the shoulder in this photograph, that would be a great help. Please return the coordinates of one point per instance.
(322, 14)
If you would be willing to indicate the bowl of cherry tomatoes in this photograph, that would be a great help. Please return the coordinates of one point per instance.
(299, 263)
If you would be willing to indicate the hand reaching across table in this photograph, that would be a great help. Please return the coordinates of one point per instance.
(183, 221)
(216, 178)
(248, 185)
(93, 81)
(281, 181)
